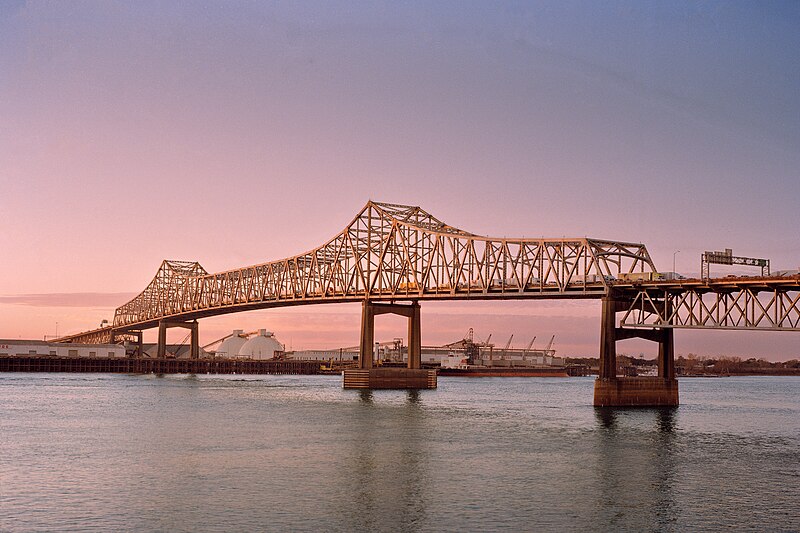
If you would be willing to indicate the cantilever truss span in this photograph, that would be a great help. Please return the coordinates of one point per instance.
(393, 252)
(390, 252)
(768, 304)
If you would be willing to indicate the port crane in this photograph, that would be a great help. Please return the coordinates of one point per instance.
(507, 346)
(485, 346)
(528, 349)
(549, 344)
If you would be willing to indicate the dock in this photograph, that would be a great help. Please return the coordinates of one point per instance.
(155, 366)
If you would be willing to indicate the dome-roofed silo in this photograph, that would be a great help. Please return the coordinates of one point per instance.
(230, 347)
(262, 346)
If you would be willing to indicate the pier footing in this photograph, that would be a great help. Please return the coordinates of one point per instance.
(389, 378)
(635, 392)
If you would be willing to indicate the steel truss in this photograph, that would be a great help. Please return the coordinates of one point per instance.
(96, 336)
(773, 306)
(105, 335)
(390, 252)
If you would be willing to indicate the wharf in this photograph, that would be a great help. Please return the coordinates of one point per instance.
(155, 366)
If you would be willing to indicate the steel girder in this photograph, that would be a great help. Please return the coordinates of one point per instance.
(391, 252)
(772, 305)
(104, 335)
(96, 336)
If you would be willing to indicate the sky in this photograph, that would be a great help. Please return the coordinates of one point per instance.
(236, 133)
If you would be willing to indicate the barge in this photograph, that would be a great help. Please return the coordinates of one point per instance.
(505, 372)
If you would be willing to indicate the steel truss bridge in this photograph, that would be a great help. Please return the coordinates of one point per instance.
(392, 253)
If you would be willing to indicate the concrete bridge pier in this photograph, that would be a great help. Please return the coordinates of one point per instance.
(163, 325)
(369, 377)
(139, 352)
(369, 311)
(611, 390)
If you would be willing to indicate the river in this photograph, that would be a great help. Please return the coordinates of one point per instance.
(103, 452)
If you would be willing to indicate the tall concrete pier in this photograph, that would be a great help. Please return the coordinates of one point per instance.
(611, 390)
(413, 377)
(191, 325)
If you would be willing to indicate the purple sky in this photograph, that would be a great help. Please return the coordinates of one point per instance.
(238, 133)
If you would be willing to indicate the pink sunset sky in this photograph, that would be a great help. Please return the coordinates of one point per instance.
(239, 133)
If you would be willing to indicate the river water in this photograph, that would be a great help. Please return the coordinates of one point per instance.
(100, 452)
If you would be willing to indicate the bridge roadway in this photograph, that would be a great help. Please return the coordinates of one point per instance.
(390, 257)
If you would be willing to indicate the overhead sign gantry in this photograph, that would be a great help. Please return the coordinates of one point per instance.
(727, 258)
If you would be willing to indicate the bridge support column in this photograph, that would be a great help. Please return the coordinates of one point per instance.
(666, 354)
(195, 341)
(138, 351)
(390, 377)
(194, 347)
(608, 340)
(368, 312)
(613, 391)
(367, 344)
(414, 337)
(162, 340)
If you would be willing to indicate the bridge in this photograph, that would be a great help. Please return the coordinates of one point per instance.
(391, 257)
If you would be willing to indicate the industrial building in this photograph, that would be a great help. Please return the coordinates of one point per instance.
(263, 345)
(19, 347)
(460, 353)
(259, 345)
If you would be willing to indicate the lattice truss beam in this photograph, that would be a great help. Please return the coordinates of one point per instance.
(749, 308)
(104, 335)
(392, 251)
(95, 336)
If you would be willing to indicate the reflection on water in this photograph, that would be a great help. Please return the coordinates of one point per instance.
(636, 468)
(299, 453)
(666, 419)
(606, 416)
(413, 396)
(389, 464)
(365, 395)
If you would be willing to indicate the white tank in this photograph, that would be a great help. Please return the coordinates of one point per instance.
(230, 347)
(262, 346)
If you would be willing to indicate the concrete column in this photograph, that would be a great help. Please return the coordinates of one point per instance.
(137, 344)
(367, 336)
(666, 355)
(195, 342)
(162, 339)
(612, 391)
(608, 340)
(414, 337)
